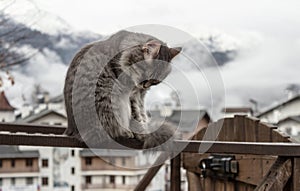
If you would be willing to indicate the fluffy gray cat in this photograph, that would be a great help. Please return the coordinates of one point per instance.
(105, 88)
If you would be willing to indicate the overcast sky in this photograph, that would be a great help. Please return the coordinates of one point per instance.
(269, 17)
(267, 32)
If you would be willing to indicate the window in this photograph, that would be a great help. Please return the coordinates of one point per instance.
(29, 162)
(123, 161)
(12, 181)
(124, 179)
(88, 161)
(72, 152)
(29, 181)
(111, 179)
(0, 163)
(45, 181)
(44, 162)
(88, 180)
(72, 188)
(12, 163)
(57, 123)
(72, 170)
(112, 160)
(1, 181)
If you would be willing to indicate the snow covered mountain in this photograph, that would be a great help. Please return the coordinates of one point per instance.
(55, 43)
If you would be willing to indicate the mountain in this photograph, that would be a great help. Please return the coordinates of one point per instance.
(54, 43)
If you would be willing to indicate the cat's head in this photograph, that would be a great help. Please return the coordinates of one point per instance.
(149, 63)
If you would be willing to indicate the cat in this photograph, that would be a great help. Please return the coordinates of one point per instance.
(106, 84)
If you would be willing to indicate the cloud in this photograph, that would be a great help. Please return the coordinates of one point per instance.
(45, 69)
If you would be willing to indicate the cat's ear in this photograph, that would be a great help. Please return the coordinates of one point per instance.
(174, 51)
(151, 49)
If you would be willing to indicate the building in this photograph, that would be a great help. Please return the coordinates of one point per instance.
(232, 111)
(290, 125)
(51, 159)
(187, 120)
(285, 115)
(64, 169)
(6, 110)
(20, 170)
(282, 110)
(114, 169)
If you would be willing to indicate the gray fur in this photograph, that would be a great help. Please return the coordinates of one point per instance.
(105, 88)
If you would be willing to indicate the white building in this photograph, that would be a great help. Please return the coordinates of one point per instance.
(284, 114)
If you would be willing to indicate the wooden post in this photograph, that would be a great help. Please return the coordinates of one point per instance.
(175, 173)
(296, 174)
(277, 177)
(194, 183)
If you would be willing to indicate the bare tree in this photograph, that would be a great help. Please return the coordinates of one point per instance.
(11, 36)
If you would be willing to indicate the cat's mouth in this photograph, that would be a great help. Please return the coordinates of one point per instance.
(147, 83)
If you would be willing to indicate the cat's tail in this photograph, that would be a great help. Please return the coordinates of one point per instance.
(162, 136)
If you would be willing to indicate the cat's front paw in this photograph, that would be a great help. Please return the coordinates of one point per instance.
(128, 134)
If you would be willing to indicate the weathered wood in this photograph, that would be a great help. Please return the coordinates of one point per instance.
(239, 128)
(278, 136)
(194, 183)
(251, 128)
(296, 174)
(264, 133)
(277, 177)
(248, 175)
(228, 129)
(175, 173)
(32, 128)
(282, 149)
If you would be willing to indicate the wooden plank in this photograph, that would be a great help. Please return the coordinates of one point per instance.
(220, 124)
(194, 183)
(278, 136)
(248, 175)
(209, 184)
(251, 128)
(282, 149)
(191, 162)
(261, 148)
(239, 128)
(267, 163)
(264, 133)
(277, 177)
(175, 173)
(228, 129)
(211, 133)
(296, 174)
(32, 128)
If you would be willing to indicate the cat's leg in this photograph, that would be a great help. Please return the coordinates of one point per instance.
(138, 120)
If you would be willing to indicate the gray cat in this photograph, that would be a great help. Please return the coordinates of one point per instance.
(105, 88)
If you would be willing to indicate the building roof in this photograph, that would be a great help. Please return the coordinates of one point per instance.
(293, 118)
(4, 104)
(185, 119)
(278, 105)
(107, 153)
(57, 99)
(39, 115)
(237, 110)
(13, 152)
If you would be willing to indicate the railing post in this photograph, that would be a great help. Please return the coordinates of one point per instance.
(175, 173)
(296, 174)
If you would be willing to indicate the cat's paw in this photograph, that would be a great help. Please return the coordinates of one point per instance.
(128, 134)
